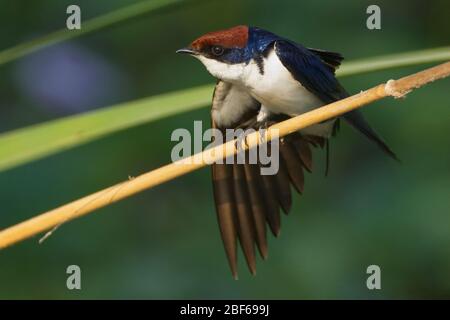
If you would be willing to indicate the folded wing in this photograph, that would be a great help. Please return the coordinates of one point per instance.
(315, 69)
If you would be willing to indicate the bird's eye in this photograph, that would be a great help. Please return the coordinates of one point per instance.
(217, 50)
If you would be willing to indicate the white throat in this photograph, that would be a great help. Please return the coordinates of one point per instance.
(221, 70)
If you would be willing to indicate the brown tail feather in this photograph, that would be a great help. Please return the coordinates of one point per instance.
(226, 211)
(273, 210)
(254, 184)
(293, 164)
(315, 141)
(246, 228)
(283, 187)
(304, 152)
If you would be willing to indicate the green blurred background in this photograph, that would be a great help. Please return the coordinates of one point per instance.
(164, 242)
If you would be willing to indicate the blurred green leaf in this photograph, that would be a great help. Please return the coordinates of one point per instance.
(37, 141)
(95, 24)
(395, 61)
(31, 143)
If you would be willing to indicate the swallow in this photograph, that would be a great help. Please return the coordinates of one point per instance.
(263, 78)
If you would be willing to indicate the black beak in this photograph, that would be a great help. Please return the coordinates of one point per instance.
(186, 50)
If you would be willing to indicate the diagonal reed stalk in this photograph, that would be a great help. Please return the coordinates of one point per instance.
(102, 198)
(390, 61)
(95, 24)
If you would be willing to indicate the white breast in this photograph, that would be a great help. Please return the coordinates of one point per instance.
(276, 89)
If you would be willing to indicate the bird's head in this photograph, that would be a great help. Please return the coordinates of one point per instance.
(223, 53)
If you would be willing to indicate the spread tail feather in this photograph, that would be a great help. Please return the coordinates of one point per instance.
(248, 202)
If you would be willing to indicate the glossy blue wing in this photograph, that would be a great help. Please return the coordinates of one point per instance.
(316, 75)
(310, 70)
